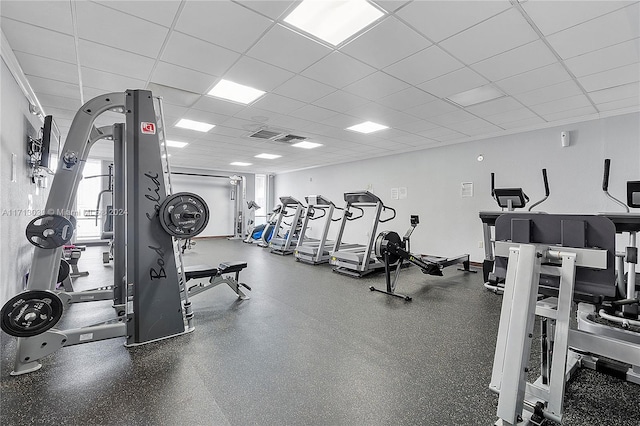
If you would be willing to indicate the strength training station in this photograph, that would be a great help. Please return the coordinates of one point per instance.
(320, 212)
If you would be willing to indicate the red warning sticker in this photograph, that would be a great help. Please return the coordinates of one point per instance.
(148, 128)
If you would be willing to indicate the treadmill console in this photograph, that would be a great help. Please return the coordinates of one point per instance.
(361, 197)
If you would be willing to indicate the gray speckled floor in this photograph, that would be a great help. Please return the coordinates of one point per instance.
(310, 347)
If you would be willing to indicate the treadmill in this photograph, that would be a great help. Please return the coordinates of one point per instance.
(316, 251)
(286, 238)
(357, 260)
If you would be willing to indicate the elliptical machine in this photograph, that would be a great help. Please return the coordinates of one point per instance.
(509, 199)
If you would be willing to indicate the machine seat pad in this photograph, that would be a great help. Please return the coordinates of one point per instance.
(229, 267)
(199, 271)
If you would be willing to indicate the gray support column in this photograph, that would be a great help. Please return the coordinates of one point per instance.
(119, 238)
(151, 266)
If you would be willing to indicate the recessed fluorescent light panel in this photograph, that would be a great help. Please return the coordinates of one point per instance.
(307, 145)
(367, 127)
(333, 21)
(268, 156)
(231, 91)
(239, 163)
(195, 125)
(476, 96)
(176, 144)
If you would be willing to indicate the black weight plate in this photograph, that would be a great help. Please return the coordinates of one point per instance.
(49, 231)
(31, 313)
(183, 215)
(63, 271)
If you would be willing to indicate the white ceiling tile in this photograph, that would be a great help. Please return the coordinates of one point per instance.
(211, 59)
(425, 65)
(620, 104)
(611, 78)
(341, 121)
(257, 74)
(495, 35)
(391, 5)
(109, 59)
(524, 123)
(417, 126)
(274, 9)
(173, 112)
(476, 131)
(625, 91)
(541, 77)
(553, 16)
(174, 96)
(454, 117)
(376, 86)
(61, 113)
(96, 23)
(59, 102)
(338, 70)
(441, 19)
(277, 103)
(455, 82)
(313, 113)
(560, 105)
(607, 30)
(54, 87)
(218, 106)
(288, 49)
(380, 114)
(109, 82)
(340, 101)
(223, 23)
(516, 61)
(438, 132)
(549, 93)
(405, 99)
(304, 89)
(54, 15)
(432, 109)
(206, 117)
(615, 56)
(511, 116)
(38, 41)
(48, 68)
(577, 112)
(386, 43)
(161, 12)
(496, 106)
(182, 78)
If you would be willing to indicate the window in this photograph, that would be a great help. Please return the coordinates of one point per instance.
(261, 199)
(86, 200)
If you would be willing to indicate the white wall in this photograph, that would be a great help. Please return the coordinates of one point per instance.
(216, 192)
(19, 197)
(449, 224)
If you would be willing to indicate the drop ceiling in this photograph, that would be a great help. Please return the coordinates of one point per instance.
(555, 61)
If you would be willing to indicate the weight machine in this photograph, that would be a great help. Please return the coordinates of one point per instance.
(149, 277)
(564, 258)
(392, 250)
(510, 199)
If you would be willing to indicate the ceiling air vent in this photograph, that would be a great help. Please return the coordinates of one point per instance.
(290, 139)
(264, 134)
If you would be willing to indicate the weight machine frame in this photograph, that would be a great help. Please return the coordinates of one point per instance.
(150, 274)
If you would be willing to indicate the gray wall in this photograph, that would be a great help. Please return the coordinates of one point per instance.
(449, 223)
(15, 197)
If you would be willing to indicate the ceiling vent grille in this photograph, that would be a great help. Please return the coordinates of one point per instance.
(264, 134)
(290, 139)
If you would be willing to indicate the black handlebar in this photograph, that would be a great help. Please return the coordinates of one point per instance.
(493, 183)
(546, 182)
(605, 180)
(389, 218)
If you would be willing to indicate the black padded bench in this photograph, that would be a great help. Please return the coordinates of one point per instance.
(216, 277)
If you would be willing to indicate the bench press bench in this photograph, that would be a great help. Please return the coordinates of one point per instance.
(217, 276)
